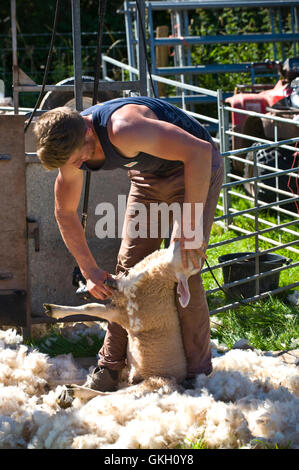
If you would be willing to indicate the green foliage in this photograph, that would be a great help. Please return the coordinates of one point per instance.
(34, 27)
(227, 22)
(238, 21)
(198, 443)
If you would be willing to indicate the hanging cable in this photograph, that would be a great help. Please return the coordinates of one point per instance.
(145, 49)
(235, 299)
(101, 13)
(78, 279)
(47, 66)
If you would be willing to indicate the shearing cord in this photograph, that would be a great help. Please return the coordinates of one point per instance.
(45, 77)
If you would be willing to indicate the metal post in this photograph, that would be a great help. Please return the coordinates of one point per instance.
(296, 21)
(15, 69)
(76, 27)
(224, 147)
(256, 225)
(154, 59)
(173, 32)
(273, 32)
(141, 51)
(130, 38)
(280, 30)
(277, 178)
(188, 55)
(180, 51)
(294, 17)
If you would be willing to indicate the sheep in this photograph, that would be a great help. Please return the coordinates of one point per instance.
(144, 305)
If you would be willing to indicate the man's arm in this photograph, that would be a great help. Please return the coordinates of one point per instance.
(68, 187)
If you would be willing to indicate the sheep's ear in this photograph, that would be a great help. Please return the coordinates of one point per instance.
(183, 290)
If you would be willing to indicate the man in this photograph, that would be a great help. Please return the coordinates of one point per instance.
(171, 158)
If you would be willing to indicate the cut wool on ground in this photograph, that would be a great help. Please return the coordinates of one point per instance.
(248, 398)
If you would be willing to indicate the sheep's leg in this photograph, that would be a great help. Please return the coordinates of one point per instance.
(70, 392)
(150, 385)
(153, 384)
(105, 312)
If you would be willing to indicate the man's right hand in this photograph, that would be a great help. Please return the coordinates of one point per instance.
(95, 284)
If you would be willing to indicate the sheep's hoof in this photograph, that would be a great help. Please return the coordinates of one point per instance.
(48, 309)
(66, 397)
(72, 391)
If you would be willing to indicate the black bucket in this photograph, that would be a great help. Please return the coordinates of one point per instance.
(245, 268)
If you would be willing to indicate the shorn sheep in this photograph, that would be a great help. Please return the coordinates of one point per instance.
(144, 304)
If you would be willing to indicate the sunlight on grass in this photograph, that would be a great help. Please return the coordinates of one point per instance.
(270, 324)
(194, 444)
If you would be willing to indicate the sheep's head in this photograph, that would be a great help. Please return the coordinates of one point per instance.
(182, 274)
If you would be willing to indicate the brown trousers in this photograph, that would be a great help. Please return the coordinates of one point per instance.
(195, 318)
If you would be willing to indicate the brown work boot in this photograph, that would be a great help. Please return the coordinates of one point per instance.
(103, 379)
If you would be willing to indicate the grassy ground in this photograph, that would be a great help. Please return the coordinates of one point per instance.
(255, 444)
(273, 324)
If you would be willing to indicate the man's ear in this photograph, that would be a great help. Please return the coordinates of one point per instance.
(183, 290)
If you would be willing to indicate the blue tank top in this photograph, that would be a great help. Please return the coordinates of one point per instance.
(142, 162)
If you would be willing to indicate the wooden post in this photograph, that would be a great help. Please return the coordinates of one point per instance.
(14, 298)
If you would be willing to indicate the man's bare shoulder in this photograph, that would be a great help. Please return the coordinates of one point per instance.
(127, 126)
(130, 112)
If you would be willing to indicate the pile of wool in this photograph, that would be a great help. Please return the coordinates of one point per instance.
(248, 397)
(25, 375)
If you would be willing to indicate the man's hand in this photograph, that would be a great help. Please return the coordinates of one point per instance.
(193, 254)
(95, 284)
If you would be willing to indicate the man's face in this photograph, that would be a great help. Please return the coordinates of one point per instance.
(84, 153)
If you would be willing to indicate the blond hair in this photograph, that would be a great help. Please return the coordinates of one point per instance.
(58, 132)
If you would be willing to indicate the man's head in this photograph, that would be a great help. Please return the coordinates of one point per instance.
(59, 132)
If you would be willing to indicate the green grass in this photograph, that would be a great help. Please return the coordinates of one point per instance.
(272, 327)
(270, 324)
(56, 343)
(258, 444)
(198, 443)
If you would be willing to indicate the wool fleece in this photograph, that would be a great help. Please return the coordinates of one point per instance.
(248, 399)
